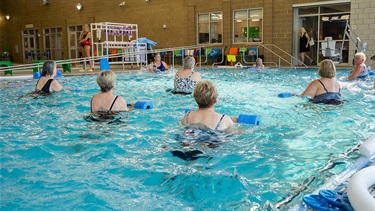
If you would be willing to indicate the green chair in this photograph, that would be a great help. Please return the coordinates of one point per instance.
(242, 52)
(6, 64)
(66, 66)
(40, 65)
(178, 54)
(206, 52)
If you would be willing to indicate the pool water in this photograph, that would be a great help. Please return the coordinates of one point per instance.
(52, 159)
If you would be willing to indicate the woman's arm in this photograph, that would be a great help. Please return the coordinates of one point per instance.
(310, 90)
(55, 86)
(357, 70)
(165, 65)
(308, 40)
(151, 67)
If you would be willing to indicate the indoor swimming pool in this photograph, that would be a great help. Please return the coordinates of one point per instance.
(52, 159)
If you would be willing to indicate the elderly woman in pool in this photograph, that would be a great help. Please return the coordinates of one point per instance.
(157, 65)
(360, 69)
(326, 89)
(186, 79)
(106, 101)
(205, 94)
(47, 83)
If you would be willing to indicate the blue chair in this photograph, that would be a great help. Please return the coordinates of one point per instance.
(104, 64)
(215, 52)
(179, 54)
(253, 53)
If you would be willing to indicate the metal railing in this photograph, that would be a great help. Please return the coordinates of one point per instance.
(265, 46)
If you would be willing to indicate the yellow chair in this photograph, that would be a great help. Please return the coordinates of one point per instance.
(232, 56)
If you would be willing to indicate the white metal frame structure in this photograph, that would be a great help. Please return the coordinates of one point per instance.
(107, 36)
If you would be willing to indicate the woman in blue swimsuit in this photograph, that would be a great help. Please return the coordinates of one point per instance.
(157, 65)
(360, 69)
(205, 94)
(326, 89)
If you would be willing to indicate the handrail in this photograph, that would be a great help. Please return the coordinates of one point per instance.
(280, 58)
(222, 56)
(122, 55)
(347, 33)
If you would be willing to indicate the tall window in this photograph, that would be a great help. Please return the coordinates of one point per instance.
(248, 26)
(210, 28)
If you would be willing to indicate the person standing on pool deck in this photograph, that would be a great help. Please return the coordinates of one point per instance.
(47, 83)
(304, 45)
(106, 100)
(205, 94)
(157, 65)
(85, 40)
(186, 79)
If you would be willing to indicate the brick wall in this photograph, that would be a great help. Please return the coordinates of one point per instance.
(178, 15)
(362, 20)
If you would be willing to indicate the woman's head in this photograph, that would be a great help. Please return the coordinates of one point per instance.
(205, 94)
(360, 55)
(189, 62)
(49, 68)
(259, 61)
(86, 27)
(157, 57)
(302, 30)
(327, 69)
(106, 80)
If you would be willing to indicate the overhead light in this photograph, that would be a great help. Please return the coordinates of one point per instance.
(79, 6)
(7, 17)
(122, 4)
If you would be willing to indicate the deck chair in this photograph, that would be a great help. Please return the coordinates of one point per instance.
(232, 56)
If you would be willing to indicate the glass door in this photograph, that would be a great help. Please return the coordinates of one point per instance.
(30, 45)
(52, 43)
(74, 47)
(311, 26)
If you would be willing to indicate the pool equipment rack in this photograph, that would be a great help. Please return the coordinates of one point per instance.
(359, 45)
(118, 38)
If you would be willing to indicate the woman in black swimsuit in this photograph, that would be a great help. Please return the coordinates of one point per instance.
(47, 83)
(106, 101)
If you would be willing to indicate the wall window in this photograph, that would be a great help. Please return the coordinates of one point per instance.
(210, 28)
(248, 26)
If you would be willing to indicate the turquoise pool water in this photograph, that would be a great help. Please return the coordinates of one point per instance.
(52, 159)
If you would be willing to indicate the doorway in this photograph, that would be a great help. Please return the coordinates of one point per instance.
(75, 50)
(325, 22)
(311, 26)
(30, 45)
(52, 43)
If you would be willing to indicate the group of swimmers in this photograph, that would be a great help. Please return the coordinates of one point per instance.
(324, 90)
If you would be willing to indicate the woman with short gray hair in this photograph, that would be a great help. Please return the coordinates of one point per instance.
(186, 79)
(47, 83)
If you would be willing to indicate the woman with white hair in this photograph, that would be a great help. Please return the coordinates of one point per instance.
(186, 79)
